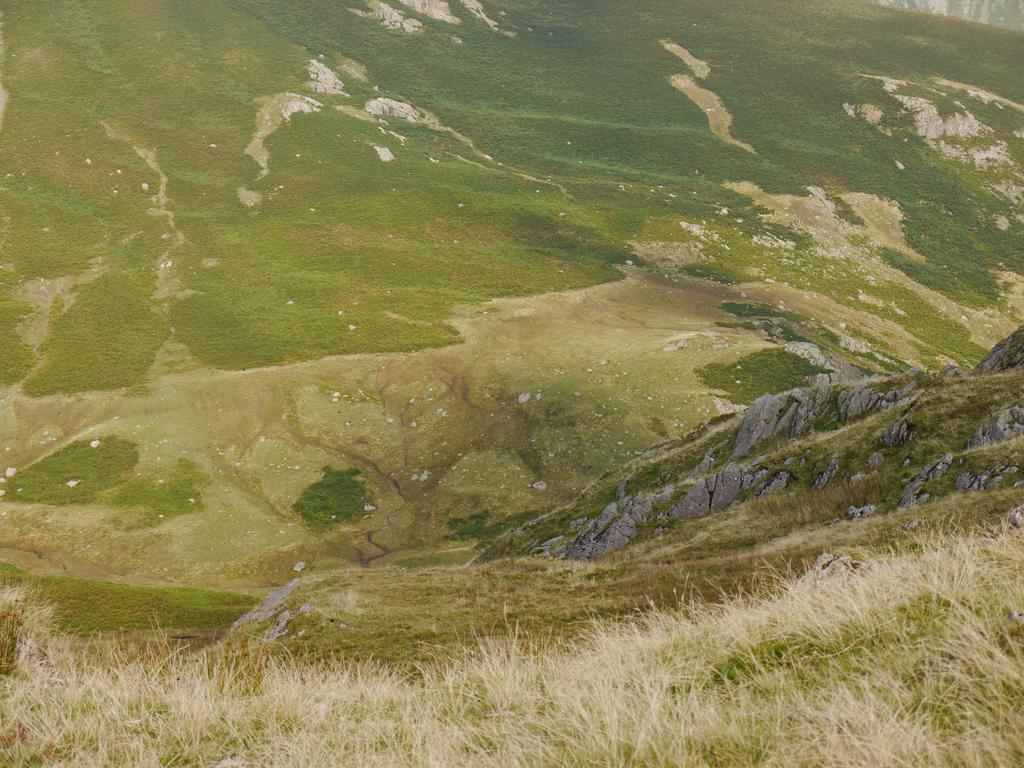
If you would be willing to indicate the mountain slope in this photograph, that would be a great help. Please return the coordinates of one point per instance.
(368, 286)
(1006, 13)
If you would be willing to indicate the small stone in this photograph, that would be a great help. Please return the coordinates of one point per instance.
(299, 567)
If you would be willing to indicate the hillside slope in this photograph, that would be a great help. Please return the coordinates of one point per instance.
(1006, 13)
(368, 283)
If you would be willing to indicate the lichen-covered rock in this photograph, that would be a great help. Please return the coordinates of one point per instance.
(616, 526)
(897, 433)
(914, 493)
(269, 606)
(385, 107)
(968, 482)
(1007, 355)
(857, 513)
(827, 474)
(1005, 425)
(828, 568)
(866, 399)
(790, 414)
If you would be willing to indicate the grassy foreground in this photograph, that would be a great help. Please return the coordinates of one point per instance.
(910, 661)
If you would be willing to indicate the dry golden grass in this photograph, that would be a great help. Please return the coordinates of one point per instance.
(913, 661)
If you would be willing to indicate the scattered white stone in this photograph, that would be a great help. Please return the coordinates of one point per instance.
(540, 485)
(11, 471)
(385, 154)
(72, 483)
(299, 567)
(524, 398)
(94, 444)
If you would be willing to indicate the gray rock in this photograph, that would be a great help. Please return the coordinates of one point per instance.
(840, 371)
(1016, 517)
(829, 473)
(790, 414)
(828, 568)
(856, 513)
(616, 526)
(1005, 425)
(864, 399)
(269, 606)
(914, 493)
(280, 627)
(876, 459)
(776, 484)
(704, 466)
(1007, 355)
(897, 433)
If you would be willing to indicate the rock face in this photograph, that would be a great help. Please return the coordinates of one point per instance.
(323, 79)
(791, 414)
(839, 370)
(897, 433)
(829, 473)
(616, 526)
(865, 399)
(269, 606)
(1007, 355)
(914, 493)
(383, 107)
(391, 18)
(1003, 426)
(986, 480)
(433, 9)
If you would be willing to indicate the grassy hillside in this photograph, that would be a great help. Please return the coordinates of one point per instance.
(906, 660)
(539, 258)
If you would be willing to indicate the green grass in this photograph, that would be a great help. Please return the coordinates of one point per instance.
(339, 496)
(770, 370)
(92, 471)
(157, 499)
(83, 607)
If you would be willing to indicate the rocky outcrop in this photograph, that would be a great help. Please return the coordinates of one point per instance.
(384, 107)
(1003, 426)
(1007, 355)
(323, 79)
(858, 513)
(866, 399)
(897, 433)
(914, 494)
(791, 414)
(432, 9)
(986, 480)
(269, 606)
(828, 474)
(839, 370)
(828, 568)
(616, 526)
(391, 18)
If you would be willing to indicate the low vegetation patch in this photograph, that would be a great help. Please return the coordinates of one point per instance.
(339, 496)
(770, 370)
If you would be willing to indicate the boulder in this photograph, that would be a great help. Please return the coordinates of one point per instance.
(829, 473)
(897, 433)
(857, 513)
(615, 527)
(1007, 355)
(1004, 425)
(790, 414)
(914, 493)
(865, 399)
(829, 568)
